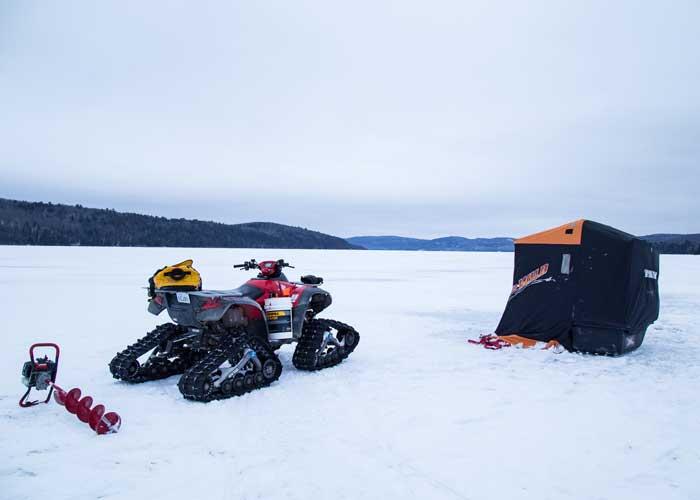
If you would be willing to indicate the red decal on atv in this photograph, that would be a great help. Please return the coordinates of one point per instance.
(276, 288)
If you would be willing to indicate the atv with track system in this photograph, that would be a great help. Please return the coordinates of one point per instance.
(224, 342)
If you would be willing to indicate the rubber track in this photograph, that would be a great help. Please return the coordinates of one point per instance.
(122, 366)
(306, 355)
(196, 384)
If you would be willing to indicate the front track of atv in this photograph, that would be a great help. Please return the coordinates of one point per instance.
(324, 343)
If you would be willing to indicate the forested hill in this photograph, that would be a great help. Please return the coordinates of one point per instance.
(675, 243)
(449, 243)
(30, 223)
(664, 243)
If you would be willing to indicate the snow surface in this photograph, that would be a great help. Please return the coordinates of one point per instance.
(415, 412)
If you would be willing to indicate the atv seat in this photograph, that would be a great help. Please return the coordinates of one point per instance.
(310, 279)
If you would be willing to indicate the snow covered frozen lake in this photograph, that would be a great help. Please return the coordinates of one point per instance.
(415, 411)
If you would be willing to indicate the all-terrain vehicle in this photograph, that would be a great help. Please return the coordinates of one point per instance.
(224, 342)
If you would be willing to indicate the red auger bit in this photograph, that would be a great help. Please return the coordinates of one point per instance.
(40, 374)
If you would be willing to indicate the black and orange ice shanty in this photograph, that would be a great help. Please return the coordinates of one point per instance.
(587, 286)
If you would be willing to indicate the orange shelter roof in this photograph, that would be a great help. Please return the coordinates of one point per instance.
(568, 234)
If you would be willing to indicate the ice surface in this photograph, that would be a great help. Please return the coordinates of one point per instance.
(415, 412)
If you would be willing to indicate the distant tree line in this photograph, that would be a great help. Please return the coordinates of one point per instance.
(677, 247)
(35, 223)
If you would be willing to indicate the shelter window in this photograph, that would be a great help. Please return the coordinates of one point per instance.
(566, 263)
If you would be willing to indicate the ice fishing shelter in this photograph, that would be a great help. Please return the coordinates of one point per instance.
(588, 286)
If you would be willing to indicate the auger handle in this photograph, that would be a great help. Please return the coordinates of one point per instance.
(44, 344)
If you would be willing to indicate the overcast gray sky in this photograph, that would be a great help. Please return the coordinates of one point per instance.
(472, 118)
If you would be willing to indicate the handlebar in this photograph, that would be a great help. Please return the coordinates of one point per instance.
(247, 265)
(253, 264)
(282, 263)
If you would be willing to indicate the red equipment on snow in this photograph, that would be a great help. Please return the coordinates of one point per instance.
(490, 341)
(40, 374)
(495, 342)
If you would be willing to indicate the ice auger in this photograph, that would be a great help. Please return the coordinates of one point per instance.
(39, 373)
